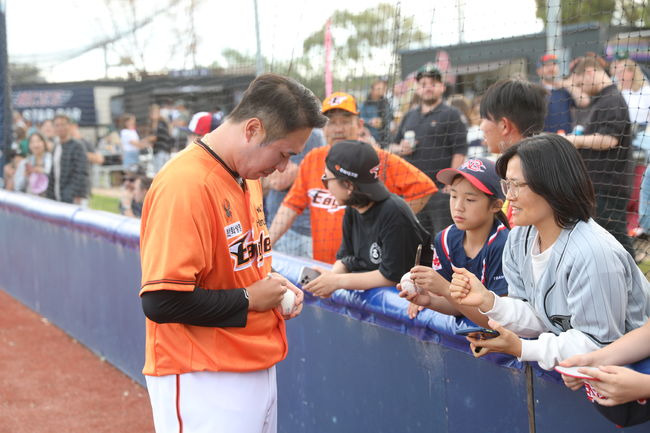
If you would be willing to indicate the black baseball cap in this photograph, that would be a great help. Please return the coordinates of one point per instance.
(429, 70)
(358, 163)
(480, 172)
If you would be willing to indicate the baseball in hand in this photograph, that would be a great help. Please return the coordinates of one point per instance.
(288, 302)
(407, 283)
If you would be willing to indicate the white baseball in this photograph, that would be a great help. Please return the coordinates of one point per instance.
(407, 283)
(288, 302)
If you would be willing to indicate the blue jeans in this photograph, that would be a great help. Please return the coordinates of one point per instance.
(130, 157)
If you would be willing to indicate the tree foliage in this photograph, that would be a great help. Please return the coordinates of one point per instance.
(20, 73)
(628, 12)
(366, 31)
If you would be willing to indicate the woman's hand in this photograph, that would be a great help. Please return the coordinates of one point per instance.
(507, 342)
(325, 284)
(618, 384)
(574, 383)
(466, 289)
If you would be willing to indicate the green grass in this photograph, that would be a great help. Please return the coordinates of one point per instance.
(105, 203)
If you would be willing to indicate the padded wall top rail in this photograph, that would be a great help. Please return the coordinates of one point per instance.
(112, 227)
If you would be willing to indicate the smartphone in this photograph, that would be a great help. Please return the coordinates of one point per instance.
(307, 275)
(478, 332)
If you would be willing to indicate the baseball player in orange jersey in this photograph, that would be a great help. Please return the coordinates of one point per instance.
(213, 330)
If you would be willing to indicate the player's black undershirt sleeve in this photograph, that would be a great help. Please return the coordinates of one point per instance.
(200, 307)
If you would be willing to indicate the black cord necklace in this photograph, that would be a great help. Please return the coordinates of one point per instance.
(232, 172)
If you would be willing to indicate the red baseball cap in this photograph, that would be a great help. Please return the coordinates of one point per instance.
(200, 124)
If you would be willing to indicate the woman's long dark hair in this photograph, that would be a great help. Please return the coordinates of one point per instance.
(554, 169)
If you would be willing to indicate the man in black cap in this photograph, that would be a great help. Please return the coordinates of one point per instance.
(380, 231)
(432, 137)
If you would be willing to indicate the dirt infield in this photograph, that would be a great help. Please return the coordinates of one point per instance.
(51, 383)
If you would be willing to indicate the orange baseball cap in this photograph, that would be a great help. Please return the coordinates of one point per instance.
(340, 101)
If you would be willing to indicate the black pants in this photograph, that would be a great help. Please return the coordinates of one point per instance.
(611, 213)
(435, 215)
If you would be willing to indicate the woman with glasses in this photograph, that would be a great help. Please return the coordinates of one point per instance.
(380, 231)
(571, 285)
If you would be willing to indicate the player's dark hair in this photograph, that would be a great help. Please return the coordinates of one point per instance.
(282, 104)
(553, 169)
(520, 101)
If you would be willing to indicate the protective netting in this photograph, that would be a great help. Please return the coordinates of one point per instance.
(417, 73)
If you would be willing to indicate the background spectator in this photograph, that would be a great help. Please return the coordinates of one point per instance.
(134, 189)
(162, 140)
(440, 142)
(605, 146)
(69, 176)
(32, 173)
(377, 113)
(131, 142)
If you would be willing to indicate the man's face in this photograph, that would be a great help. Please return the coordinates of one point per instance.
(549, 71)
(259, 159)
(430, 90)
(378, 90)
(586, 81)
(492, 135)
(62, 128)
(342, 125)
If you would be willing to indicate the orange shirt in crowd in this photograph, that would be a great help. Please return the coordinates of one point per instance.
(399, 176)
(200, 228)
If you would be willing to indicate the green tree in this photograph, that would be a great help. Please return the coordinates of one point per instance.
(357, 37)
(629, 12)
(24, 73)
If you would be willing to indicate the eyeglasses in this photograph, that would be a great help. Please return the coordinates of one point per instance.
(511, 187)
(326, 180)
(129, 179)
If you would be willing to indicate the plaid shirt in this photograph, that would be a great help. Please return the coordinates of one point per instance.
(73, 171)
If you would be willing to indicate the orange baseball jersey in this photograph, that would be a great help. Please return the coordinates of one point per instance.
(200, 228)
(399, 176)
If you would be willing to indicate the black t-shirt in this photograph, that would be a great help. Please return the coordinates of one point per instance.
(439, 134)
(385, 237)
(609, 169)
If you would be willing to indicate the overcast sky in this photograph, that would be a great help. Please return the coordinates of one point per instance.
(44, 31)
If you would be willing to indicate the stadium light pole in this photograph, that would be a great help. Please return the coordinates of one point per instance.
(259, 67)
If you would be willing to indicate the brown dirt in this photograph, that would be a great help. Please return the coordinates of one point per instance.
(51, 383)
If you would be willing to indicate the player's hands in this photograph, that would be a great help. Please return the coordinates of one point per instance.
(508, 342)
(325, 284)
(466, 289)
(300, 296)
(427, 278)
(266, 293)
(574, 383)
(618, 384)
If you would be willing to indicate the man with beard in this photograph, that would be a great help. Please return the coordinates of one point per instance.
(440, 142)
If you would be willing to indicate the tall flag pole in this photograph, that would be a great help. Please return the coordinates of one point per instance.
(328, 59)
